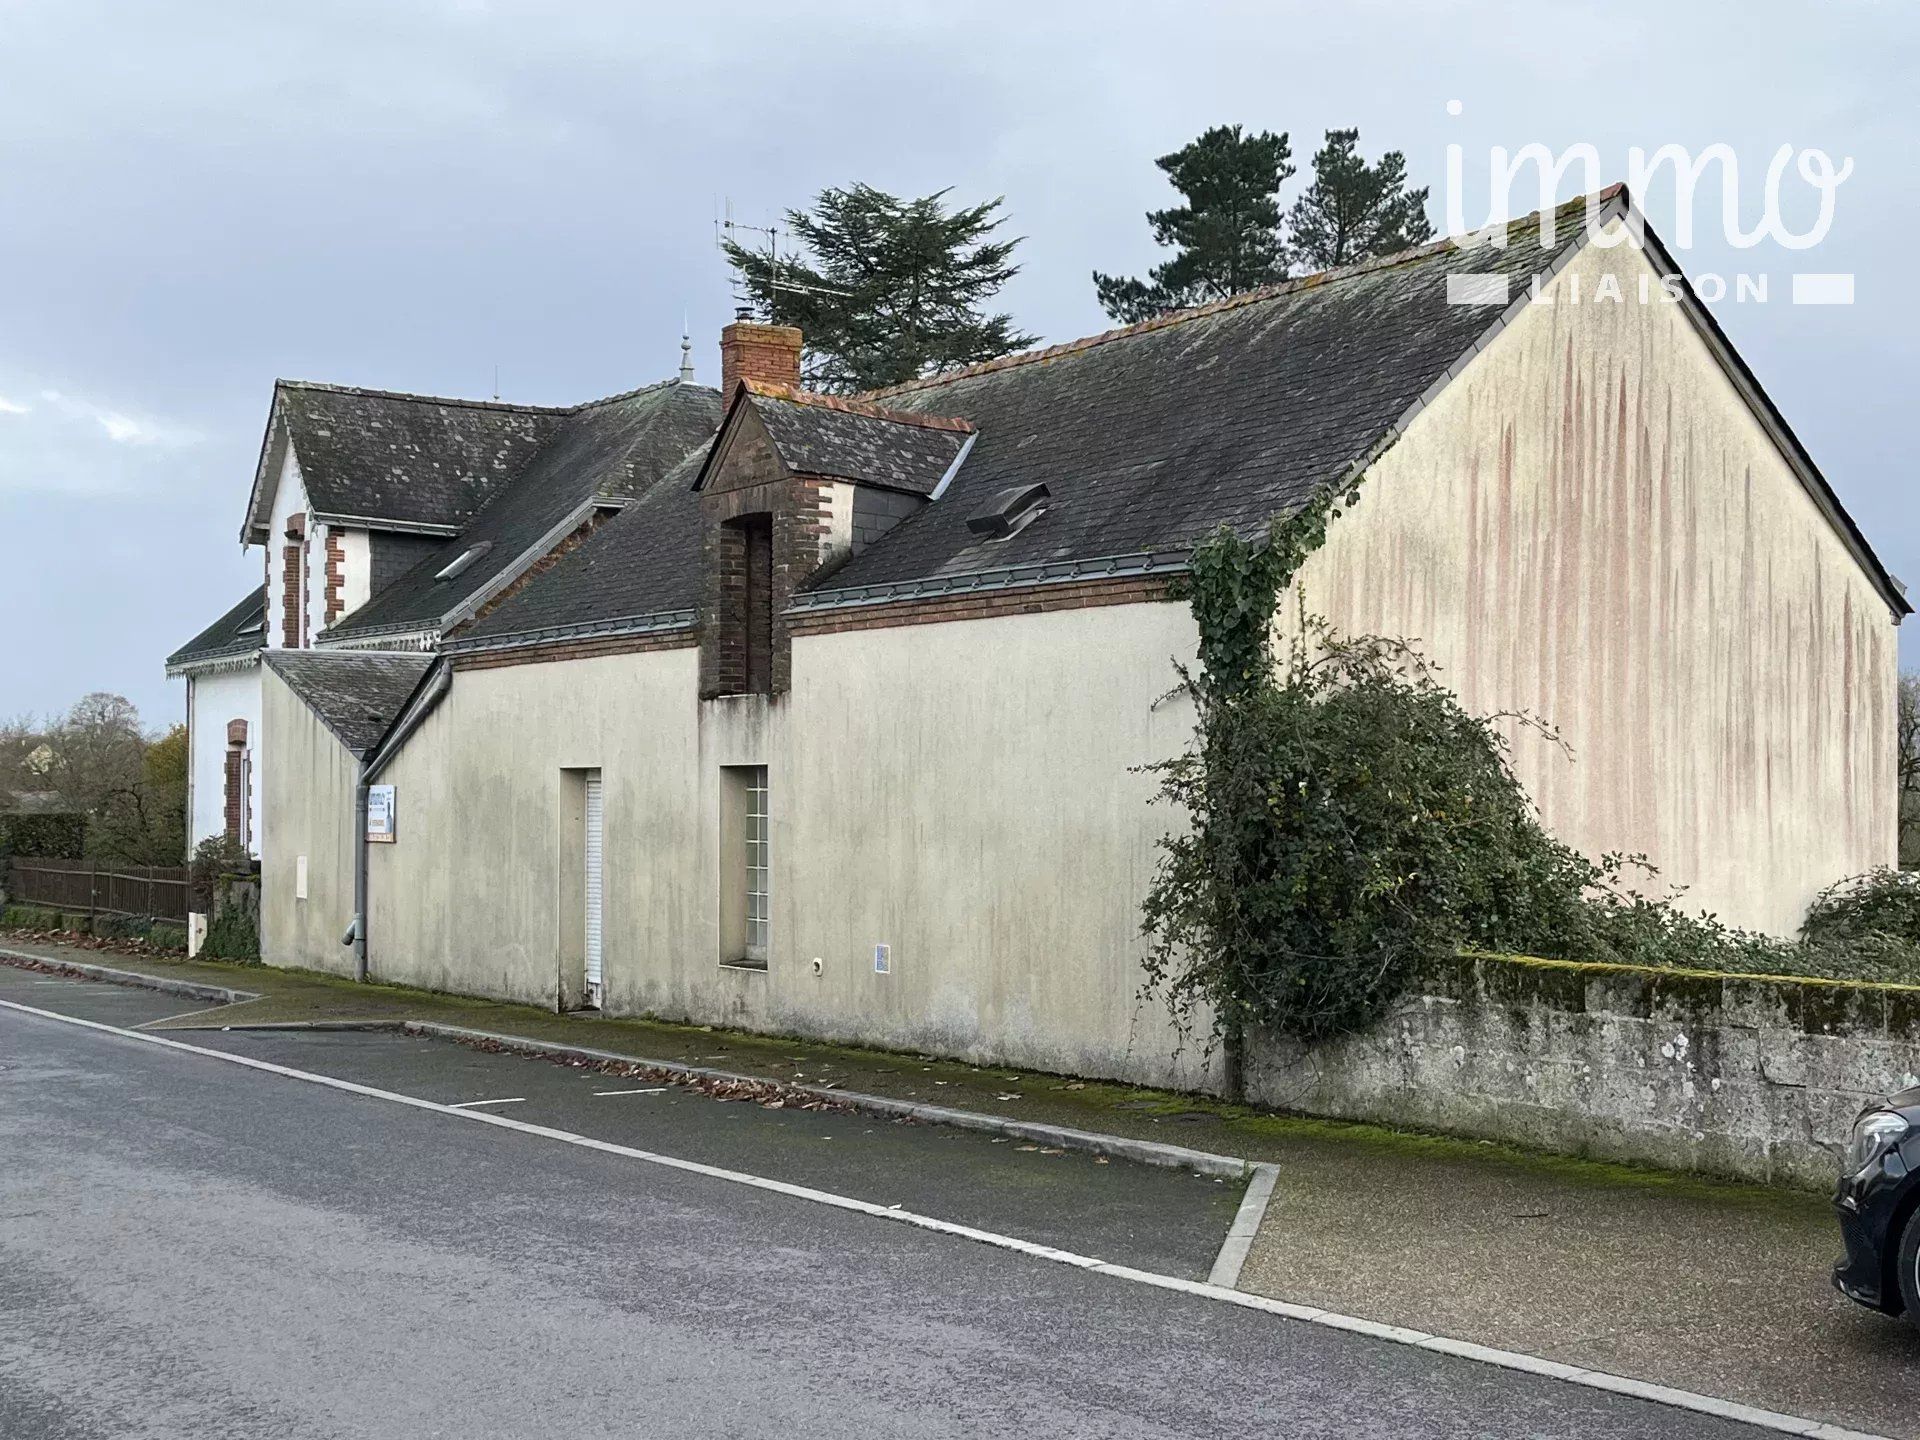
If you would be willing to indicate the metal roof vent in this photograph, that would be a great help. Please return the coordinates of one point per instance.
(465, 559)
(1010, 512)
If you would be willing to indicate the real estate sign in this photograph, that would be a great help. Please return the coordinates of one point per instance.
(380, 813)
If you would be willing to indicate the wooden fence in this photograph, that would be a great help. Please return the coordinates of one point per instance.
(82, 887)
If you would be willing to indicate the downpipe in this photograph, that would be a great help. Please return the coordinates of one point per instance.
(439, 681)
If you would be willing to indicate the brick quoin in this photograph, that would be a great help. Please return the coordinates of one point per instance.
(236, 778)
(293, 582)
(335, 577)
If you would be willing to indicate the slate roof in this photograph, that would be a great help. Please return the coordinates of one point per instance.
(405, 459)
(611, 449)
(821, 435)
(645, 561)
(1150, 438)
(228, 636)
(357, 694)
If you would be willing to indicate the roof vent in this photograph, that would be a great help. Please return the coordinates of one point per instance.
(1010, 511)
(465, 560)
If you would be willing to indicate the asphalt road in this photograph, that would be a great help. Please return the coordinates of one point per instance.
(192, 1248)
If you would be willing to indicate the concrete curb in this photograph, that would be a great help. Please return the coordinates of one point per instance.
(191, 989)
(1246, 1228)
(299, 1025)
(1119, 1147)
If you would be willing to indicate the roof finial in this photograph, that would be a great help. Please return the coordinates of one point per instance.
(686, 352)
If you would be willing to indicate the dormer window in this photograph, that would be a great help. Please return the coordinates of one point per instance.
(465, 561)
(1009, 512)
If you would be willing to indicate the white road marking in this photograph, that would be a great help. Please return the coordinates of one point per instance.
(1312, 1315)
(504, 1100)
(204, 1010)
(656, 1090)
(1246, 1226)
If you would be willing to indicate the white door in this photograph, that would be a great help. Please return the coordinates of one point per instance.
(593, 887)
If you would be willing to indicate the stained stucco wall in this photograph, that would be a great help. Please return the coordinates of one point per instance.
(307, 809)
(990, 835)
(212, 700)
(1589, 523)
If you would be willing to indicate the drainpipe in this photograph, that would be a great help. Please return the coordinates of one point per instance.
(439, 680)
(356, 935)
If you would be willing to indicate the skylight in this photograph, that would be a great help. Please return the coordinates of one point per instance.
(465, 560)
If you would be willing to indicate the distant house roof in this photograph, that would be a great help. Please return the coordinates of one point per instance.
(611, 450)
(358, 694)
(236, 634)
(849, 440)
(407, 461)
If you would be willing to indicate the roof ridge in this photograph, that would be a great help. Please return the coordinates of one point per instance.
(456, 400)
(1278, 290)
(671, 383)
(855, 406)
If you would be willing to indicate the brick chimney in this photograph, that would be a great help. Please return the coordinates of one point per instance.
(769, 354)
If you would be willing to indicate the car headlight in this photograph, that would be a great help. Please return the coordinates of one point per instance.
(1874, 1134)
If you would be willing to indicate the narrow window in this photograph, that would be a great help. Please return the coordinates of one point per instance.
(745, 867)
(759, 604)
(756, 946)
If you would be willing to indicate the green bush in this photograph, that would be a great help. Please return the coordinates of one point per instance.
(29, 917)
(76, 923)
(1349, 821)
(1879, 905)
(165, 935)
(214, 859)
(43, 837)
(234, 934)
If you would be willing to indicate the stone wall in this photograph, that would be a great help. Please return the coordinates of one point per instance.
(1756, 1079)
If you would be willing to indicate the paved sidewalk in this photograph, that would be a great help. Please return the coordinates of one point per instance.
(1711, 1287)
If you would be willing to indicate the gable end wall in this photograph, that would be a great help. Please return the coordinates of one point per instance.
(1590, 523)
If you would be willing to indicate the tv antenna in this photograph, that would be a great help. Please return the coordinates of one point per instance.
(774, 249)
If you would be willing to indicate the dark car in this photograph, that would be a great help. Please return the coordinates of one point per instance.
(1878, 1202)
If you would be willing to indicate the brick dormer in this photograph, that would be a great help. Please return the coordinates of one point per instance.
(794, 484)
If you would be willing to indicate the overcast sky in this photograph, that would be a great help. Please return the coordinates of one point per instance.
(197, 197)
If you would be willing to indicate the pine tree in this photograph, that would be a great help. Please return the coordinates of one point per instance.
(1354, 211)
(1228, 232)
(886, 290)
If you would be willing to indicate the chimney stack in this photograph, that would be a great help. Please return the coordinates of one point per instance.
(766, 354)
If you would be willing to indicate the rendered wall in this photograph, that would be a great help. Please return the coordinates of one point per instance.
(1589, 523)
(1757, 1079)
(212, 700)
(990, 834)
(307, 809)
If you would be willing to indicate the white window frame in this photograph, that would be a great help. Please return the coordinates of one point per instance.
(759, 871)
